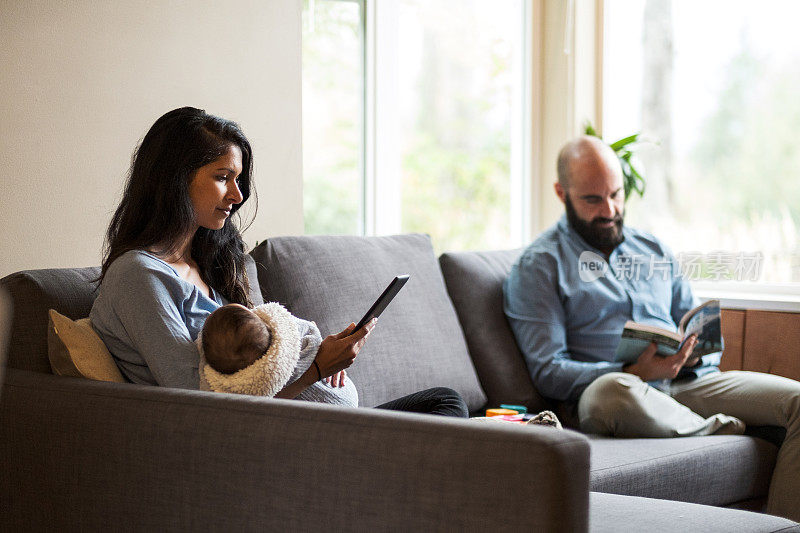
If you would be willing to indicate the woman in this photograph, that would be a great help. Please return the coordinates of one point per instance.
(173, 255)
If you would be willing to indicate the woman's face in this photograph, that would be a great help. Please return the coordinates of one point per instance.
(214, 189)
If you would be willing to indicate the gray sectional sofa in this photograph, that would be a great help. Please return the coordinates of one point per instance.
(84, 455)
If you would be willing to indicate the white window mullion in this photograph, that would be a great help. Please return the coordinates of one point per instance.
(522, 132)
(383, 185)
(387, 168)
(370, 125)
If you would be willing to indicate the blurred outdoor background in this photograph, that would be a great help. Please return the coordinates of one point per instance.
(431, 139)
(452, 66)
(713, 85)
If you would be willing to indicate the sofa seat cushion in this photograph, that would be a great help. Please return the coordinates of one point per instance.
(715, 470)
(475, 284)
(333, 280)
(614, 513)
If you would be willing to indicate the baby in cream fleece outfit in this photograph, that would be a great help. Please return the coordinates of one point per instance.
(259, 351)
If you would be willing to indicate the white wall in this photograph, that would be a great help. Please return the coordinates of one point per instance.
(82, 82)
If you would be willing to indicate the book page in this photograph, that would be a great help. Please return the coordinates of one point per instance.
(692, 313)
(705, 322)
(636, 337)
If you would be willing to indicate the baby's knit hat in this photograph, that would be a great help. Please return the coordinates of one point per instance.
(269, 374)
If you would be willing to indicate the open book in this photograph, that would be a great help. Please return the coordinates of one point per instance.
(703, 321)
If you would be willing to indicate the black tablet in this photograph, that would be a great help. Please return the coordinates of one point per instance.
(383, 300)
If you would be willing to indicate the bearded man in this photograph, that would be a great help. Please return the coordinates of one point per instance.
(568, 297)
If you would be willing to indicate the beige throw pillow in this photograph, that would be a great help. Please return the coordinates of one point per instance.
(75, 350)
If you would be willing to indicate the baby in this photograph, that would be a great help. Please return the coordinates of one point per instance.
(259, 351)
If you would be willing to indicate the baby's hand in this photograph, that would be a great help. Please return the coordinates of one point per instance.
(336, 380)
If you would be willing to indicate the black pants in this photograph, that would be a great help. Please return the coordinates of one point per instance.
(435, 401)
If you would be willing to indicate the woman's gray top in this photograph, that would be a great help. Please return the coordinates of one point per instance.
(149, 318)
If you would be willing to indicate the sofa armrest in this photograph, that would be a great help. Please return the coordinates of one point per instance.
(109, 456)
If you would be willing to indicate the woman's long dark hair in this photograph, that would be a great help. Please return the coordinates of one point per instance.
(156, 212)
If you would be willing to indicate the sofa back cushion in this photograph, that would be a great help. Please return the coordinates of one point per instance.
(71, 292)
(5, 332)
(333, 280)
(475, 284)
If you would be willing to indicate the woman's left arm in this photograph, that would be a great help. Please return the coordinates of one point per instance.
(335, 353)
(292, 390)
(142, 299)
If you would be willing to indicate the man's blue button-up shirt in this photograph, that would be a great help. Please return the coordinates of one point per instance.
(568, 305)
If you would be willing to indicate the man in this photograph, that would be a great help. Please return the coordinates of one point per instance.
(568, 297)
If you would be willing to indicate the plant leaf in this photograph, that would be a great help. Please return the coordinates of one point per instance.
(632, 180)
(638, 180)
(624, 142)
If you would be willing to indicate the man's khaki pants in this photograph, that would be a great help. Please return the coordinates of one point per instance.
(622, 405)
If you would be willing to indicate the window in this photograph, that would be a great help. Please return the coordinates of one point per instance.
(414, 119)
(713, 86)
(333, 91)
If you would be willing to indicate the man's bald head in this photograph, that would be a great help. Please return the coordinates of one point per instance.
(585, 152)
(590, 183)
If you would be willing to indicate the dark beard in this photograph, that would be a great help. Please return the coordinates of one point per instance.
(604, 239)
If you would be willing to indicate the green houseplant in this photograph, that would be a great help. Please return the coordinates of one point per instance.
(632, 178)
